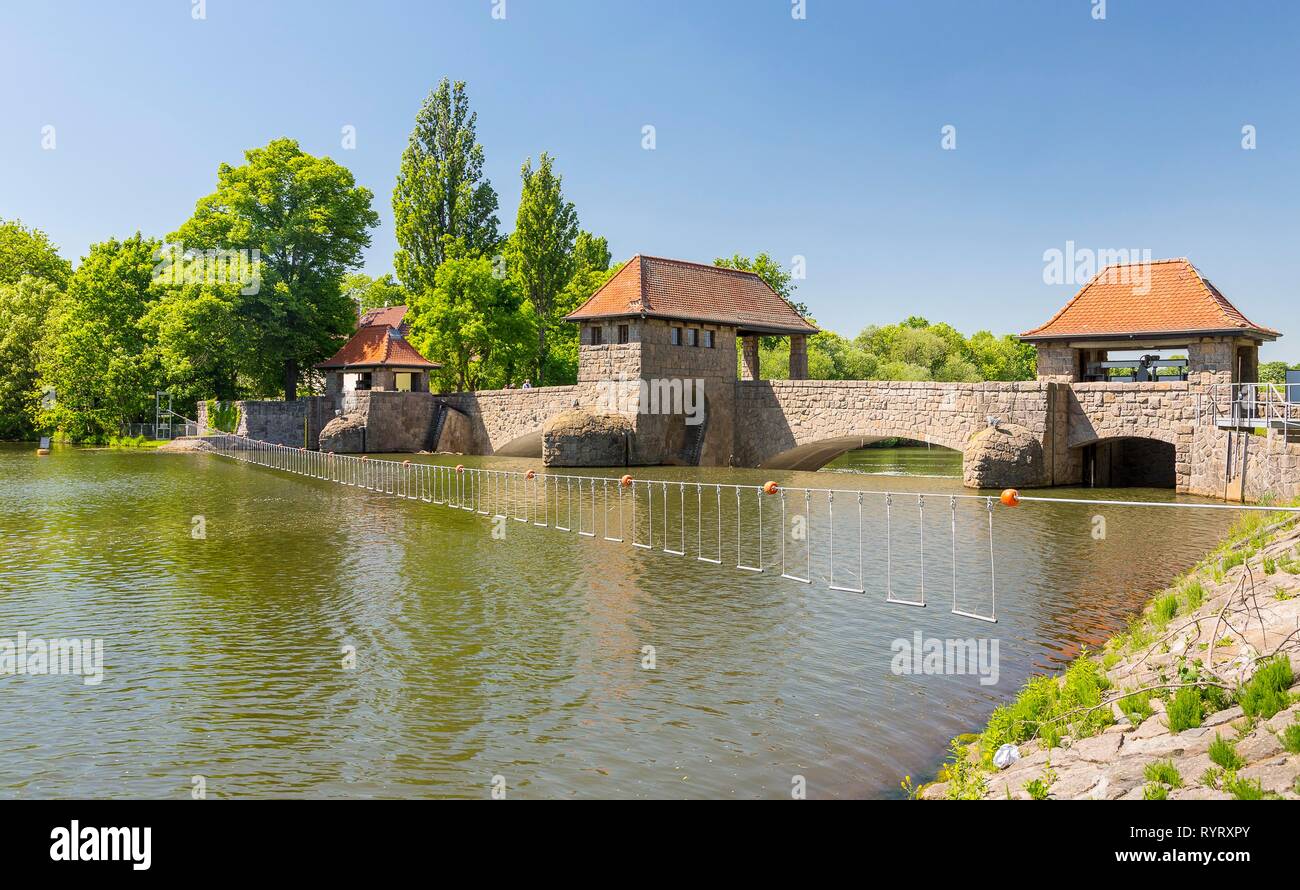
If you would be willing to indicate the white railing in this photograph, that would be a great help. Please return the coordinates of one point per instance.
(850, 540)
(1245, 405)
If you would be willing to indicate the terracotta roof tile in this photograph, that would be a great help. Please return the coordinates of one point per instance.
(377, 346)
(665, 288)
(392, 316)
(1160, 297)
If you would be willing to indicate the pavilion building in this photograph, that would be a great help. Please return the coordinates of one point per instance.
(1160, 306)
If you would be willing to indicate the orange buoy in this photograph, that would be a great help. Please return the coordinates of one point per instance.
(626, 480)
(460, 468)
(406, 463)
(1010, 498)
(365, 457)
(529, 475)
(330, 453)
(770, 487)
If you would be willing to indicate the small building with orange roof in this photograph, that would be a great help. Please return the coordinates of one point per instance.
(378, 357)
(1157, 306)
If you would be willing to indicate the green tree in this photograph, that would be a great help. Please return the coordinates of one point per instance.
(768, 269)
(24, 307)
(541, 251)
(31, 275)
(441, 197)
(471, 322)
(94, 351)
(196, 338)
(374, 293)
(310, 221)
(25, 251)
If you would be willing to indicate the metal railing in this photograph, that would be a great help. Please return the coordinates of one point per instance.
(1248, 405)
(830, 536)
(161, 430)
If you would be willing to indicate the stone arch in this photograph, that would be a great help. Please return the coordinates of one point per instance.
(527, 444)
(814, 455)
(1124, 461)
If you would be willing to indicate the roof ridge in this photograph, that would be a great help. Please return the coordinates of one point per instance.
(711, 266)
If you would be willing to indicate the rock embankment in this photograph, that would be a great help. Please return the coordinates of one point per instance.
(1198, 700)
(185, 444)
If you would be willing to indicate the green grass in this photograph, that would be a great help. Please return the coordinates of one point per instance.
(1243, 789)
(1039, 709)
(1224, 753)
(1194, 592)
(1291, 738)
(1165, 772)
(1136, 707)
(1166, 607)
(1266, 692)
(1154, 791)
(1185, 710)
(1038, 789)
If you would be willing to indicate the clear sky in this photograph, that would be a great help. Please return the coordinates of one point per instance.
(818, 137)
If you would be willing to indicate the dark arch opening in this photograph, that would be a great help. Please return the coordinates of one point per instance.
(1129, 463)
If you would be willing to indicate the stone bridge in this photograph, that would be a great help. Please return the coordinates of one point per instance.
(1048, 432)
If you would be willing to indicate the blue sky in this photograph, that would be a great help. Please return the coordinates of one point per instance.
(819, 138)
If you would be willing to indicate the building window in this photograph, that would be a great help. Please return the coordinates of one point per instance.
(676, 337)
(597, 336)
(402, 381)
(708, 339)
(692, 336)
(622, 333)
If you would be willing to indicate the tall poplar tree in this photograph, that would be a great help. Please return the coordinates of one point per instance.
(441, 194)
(541, 249)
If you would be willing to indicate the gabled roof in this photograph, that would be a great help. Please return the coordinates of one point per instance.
(1158, 298)
(377, 346)
(392, 316)
(663, 288)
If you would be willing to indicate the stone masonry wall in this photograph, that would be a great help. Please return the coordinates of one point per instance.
(798, 424)
(1272, 466)
(501, 416)
(1101, 411)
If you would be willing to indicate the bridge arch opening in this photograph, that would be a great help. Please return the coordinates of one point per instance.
(527, 445)
(1128, 462)
(815, 455)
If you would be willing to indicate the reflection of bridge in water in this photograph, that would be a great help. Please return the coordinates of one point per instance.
(906, 548)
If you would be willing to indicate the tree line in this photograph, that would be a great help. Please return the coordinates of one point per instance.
(245, 296)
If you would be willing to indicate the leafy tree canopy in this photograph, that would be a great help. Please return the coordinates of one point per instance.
(442, 200)
(310, 221)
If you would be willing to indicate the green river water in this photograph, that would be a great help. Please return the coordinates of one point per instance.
(519, 658)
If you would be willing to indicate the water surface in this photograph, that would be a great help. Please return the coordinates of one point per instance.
(522, 658)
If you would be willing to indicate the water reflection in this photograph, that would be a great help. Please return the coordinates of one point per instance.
(522, 657)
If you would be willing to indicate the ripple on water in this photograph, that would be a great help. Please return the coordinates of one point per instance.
(477, 657)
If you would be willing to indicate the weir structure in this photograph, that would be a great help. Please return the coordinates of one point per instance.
(1148, 376)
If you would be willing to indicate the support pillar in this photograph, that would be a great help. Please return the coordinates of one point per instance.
(749, 357)
(798, 357)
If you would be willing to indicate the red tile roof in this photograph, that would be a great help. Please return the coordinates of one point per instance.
(1157, 298)
(377, 346)
(392, 316)
(663, 288)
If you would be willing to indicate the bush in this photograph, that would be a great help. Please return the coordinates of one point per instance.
(1266, 693)
(1185, 710)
